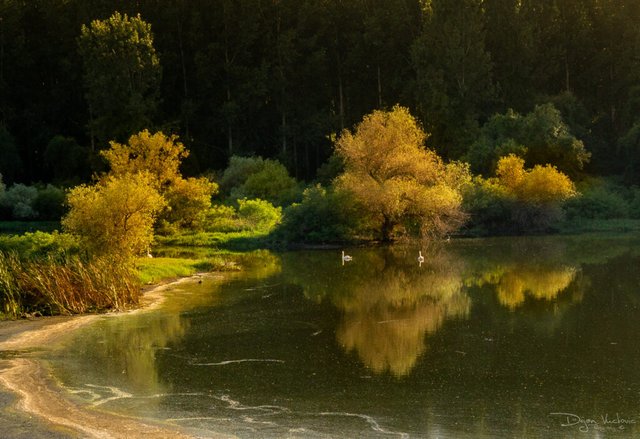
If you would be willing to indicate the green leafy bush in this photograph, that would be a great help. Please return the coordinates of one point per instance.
(255, 177)
(49, 203)
(223, 218)
(324, 215)
(599, 202)
(19, 200)
(488, 207)
(239, 169)
(259, 214)
(39, 244)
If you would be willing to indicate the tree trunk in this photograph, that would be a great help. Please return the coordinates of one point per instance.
(379, 89)
(385, 231)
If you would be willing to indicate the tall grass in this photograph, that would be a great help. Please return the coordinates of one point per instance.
(65, 286)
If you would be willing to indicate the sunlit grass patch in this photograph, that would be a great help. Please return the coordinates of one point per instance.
(153, 270)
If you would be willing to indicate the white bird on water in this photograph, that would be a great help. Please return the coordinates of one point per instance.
(345, 258)
(420, 257)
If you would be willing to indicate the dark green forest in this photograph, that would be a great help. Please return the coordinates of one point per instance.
(282, 78)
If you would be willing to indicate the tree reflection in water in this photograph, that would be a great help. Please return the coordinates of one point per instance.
(390, 303)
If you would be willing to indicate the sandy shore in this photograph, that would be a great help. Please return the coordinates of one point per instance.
(39, 396)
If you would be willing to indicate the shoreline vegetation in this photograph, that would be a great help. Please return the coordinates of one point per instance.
(382, 185)
(38, 394)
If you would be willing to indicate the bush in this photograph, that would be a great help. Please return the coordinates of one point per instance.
(259, 214)
(488, 207)
(597, 202)
(116, 216)
(189, 201)
(254, 177)
(324, 215)
(19, 200)
(39, 244)
(223, 218)
(239, 169)
(50, 203)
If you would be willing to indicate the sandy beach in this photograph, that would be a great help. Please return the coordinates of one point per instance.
(32, 404)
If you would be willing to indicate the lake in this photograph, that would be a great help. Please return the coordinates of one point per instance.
(487, 338)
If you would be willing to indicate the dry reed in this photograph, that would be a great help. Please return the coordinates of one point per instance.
(66, 285)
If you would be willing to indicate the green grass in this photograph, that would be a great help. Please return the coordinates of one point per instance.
(154, 270)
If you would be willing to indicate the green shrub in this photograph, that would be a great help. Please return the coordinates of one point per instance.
(39, 244)
(259, 214)
(488, 207)
(324, 215)
(19, 199)
(254, 177)
(597, 202)
(223, 218)
(239, 169)
(49, 203)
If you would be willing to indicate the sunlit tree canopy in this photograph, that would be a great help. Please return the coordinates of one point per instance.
(396, 179)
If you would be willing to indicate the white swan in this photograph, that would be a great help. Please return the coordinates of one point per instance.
(345, 258)
(420, 257)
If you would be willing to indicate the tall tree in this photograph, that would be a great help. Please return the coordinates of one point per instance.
(454, 82)
(398, 181)
(121, 76)
(509, 41)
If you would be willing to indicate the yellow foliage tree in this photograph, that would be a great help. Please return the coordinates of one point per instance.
(116, 215)
(389, 171)
(160, 156)
(537, 193)
(540, 185)
(157, 154)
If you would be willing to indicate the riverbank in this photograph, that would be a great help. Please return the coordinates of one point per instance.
(34, 399)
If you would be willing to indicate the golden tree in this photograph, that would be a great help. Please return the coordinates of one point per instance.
(116, 215)
(160, 156)
(537, 194)
(540, 185)
(396, 179)
(157, 154)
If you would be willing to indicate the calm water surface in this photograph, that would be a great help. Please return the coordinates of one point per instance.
(493, 338)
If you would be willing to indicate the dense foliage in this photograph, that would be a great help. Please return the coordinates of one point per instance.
(395, 180)
(279, 79)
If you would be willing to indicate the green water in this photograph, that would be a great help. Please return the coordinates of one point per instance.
(493, 338)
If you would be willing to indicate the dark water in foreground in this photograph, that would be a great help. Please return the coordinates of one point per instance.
(494, 338)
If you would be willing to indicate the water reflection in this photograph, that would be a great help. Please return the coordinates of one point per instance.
(388, 301)
(484, 339)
